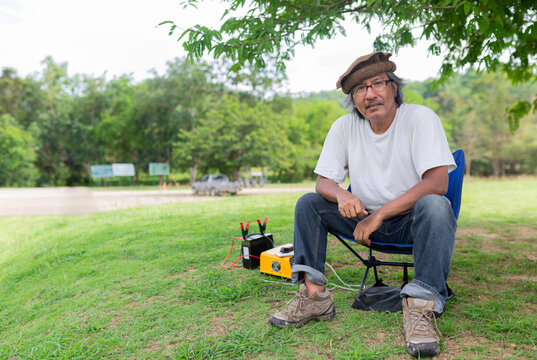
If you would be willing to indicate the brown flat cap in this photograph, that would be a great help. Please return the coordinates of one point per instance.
(363, 68)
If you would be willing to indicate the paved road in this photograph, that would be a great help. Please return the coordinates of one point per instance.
(80, 200)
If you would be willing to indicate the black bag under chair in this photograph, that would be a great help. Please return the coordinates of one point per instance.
(386, 298)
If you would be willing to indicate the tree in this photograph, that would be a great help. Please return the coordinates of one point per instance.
(490, 97)
(21, 98)
(235, 136)
(251, 82)
(522, 151)
(82, 146)
(488, 34)
(306, 130)
(17, 154)
(117, 137)
(471, 107)
(188, 91)
(52, 125)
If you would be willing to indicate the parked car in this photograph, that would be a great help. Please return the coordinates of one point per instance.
(215, 184)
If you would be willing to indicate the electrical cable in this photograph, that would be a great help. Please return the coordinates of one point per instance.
(350, 286)
(237, 259)
(346, 287)
(279, 283)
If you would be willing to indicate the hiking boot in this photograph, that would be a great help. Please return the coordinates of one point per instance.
(420, 337)
(302, 309)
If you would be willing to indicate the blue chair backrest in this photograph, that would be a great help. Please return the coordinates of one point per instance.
(454, 192)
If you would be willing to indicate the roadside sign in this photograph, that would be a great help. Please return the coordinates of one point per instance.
(159, 169)
(102, 171)
(123, 169)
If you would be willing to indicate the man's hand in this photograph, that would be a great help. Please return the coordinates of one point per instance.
(365, 227)
(435, 181)
(350, 206)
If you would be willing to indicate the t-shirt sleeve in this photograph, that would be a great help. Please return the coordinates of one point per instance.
(333, 161)
(430, 147)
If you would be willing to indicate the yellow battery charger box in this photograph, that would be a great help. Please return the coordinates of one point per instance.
(277, 261)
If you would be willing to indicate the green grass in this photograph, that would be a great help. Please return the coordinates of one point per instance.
(146, 283)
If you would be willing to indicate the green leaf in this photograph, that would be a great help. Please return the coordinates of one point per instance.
(165, 22)
(467, 8)
(516, 112)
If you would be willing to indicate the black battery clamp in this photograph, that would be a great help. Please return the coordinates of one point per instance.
(254, 244)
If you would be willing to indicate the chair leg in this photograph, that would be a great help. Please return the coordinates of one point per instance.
(405, 275)
(378, 281)
(363, 281)
(451, 294)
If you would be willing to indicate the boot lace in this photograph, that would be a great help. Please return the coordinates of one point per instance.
(420, 320)
(297, 302)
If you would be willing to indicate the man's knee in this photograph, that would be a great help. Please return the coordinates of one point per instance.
(435, 207)
(308, 203)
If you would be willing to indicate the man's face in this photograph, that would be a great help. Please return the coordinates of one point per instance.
(376, 104)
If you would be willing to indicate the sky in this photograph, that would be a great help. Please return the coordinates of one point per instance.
(119, 37)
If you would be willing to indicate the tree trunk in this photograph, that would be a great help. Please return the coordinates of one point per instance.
(87, 170)
(496, 171)
(193, 172)
(52, 111)
(236, 174)
(168, 155)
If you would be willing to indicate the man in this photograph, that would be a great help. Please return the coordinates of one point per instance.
(398, 159)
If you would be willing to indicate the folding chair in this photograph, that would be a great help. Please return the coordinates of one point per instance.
(453, 194)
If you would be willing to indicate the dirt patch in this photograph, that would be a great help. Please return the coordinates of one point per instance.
(172, 345)
(456, 345)
(114, 322)
(133, 304)
(152, 299)
(221, 325)
(380, 336)
(499, 239)
(153, 346)
(83, 319)
(521, 277)
(181, 275)
(482, 233)
(531, 257)
(316, 351)
(527, 232)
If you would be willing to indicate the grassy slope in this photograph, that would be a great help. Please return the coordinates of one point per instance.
(146, 283)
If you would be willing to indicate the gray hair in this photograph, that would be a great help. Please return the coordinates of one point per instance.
(348, 102)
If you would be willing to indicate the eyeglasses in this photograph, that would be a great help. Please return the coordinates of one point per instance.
(360, 90)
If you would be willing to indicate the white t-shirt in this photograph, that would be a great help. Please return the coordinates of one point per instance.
(383, 167)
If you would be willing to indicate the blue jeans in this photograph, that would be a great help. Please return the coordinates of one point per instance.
(430, 226)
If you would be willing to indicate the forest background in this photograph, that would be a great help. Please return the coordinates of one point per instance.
(201, 118)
